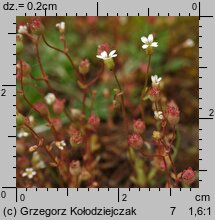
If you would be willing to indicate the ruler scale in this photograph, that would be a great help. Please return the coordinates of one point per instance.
(103, 203)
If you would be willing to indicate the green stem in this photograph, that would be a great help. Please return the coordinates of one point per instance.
(122, 102)
(147, 72)
(143, 93)
(84, 102)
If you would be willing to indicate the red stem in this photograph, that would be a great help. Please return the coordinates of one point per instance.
(32, 106)
(45, 77)
(167, 172)
(67, 55)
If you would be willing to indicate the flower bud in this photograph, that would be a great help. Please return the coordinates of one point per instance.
(37, 27)
(61, 27)
(41, 107)
(50, 98)
(19, 119)
(158, 115)
(22, 133)
(60, 144)
(19, 44)
(93, 121)
(172, 113)
(156, 135)
(33, 148)
(103, 47)
(154, 93)
(22, 29)
(135, 141)
(84, 66)
(188, 176)
(75, 113)
(31, 119)
(57, 123)
(23, 67)
(76, 138)
(75, 168)
(58, 105)
(188, 43)
(139, 126)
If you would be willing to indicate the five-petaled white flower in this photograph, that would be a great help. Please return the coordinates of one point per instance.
(158, 115)
(105, 56)
(50, 98)
(29, 172)
(155, 80)
(61, 27)
(148, 42)
(60, 144)
(22, 29)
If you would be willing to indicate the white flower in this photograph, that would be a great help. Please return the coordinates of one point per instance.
(155, 80)
(29, 172)
(105, 56)
(22, 29)
(158, 115)
(60, 144)
(189, 43)
(148, 42)
(50, 98)
(61, 27)
(22, 133)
